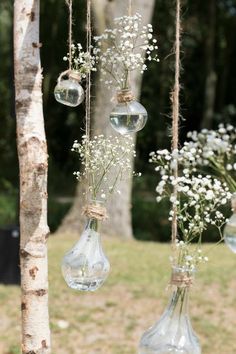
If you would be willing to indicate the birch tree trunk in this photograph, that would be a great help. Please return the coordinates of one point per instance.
(32, 153)
(119, 206)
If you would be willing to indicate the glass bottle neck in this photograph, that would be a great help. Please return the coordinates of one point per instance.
(92, 224)
(178, 305)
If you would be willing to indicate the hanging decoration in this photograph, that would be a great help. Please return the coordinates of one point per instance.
(196, 201)
(68, 90)
(120, 51)
(106, 161)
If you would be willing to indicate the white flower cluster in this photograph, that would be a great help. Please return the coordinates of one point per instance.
(214, 149)
(189, 257)
(83, 62)
(125, 48)
(105, 161)
(199, 197)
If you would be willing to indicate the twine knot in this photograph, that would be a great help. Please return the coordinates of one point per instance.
(95, 211)
(125, 96)
(181, 280)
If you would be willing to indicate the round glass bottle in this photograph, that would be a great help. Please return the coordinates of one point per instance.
(128, 116)
(173, 333)
(230, 227)
(68, 91)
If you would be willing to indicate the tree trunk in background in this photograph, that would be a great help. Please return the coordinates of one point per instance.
(211, 77)
(32, 153)
(119, 207)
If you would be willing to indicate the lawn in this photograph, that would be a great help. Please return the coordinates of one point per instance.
(112, 320)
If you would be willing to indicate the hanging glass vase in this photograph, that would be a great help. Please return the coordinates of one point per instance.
(230, 228)
(85, 267)
(129, 116)
(173, 333)
(68, 91)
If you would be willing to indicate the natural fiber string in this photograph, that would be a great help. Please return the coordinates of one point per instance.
(69, 4)
(175, 115)
(88, 89)
(130, 8)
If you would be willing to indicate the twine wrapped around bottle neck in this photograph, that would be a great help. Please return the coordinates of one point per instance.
(181, 280)
(95, 211)
(71, 74)
(125, 96)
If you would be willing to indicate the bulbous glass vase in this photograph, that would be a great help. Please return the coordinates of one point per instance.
(129, 116)
(173, 333)
(230, 228)
(68, 91)
(85, 267)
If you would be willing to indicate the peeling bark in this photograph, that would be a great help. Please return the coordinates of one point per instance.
(32, 153)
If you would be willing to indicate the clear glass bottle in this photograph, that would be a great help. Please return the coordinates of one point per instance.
(85, 267)
(230, 228)
(173, 333)
(68, 91)
(128, 116)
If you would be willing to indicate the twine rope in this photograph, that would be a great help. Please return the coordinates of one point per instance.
(175, 115)
(124, 96)
(88, 91)
(95, 211)
(181, 280)
(130, 8)
(69, 4)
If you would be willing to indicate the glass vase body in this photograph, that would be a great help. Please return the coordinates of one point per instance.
(85, 267)
(173, 333)
(230, 228)
(128, 117)
(69, 92)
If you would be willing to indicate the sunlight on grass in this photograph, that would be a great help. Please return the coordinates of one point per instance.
(112, 320)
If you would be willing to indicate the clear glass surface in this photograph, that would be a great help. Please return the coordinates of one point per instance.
(230, 233)
(129, 117)
(85, 267)
(173, 333)
(69, 92)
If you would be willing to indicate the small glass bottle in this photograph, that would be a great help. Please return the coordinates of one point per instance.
(173, 333)
(85, 267)
(230, 227)
(129, 116)
(68, 91)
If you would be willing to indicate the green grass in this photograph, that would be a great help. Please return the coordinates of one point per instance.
(112, 320)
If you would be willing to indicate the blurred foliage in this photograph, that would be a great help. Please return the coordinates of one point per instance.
(64, 124)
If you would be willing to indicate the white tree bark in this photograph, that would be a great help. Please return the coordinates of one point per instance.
(32, 153)
(119, 207)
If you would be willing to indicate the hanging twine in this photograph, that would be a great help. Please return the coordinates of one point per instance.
(130, 8)
(88, 93)
(69, 4)
(95, 211)
(181, 280)
(124, 96)
(175, 116)
(69, 72)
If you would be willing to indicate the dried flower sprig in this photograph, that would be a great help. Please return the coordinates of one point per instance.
(125, 48)
(82, 62)
(106, 161)
(198, 204)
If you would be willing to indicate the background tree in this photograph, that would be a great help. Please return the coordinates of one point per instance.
(32, 154)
